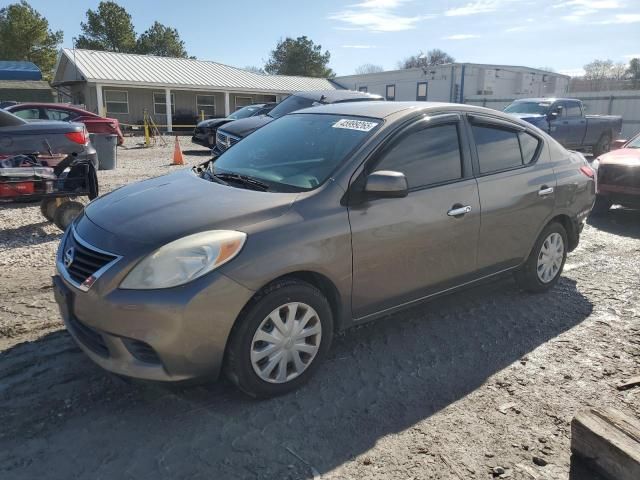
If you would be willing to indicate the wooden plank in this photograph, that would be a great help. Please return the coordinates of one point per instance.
(632, 382)
(609, 441)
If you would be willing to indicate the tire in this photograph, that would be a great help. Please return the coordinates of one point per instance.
(67, 213)
(531, 276)
(48, 207)
(603, 145)
(602, 205)
(247, 354)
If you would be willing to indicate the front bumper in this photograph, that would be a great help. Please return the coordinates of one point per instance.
(170, 335)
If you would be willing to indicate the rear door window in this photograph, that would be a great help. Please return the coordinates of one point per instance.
(55, 114)
(426, 157)
(28, 113)
(498, 149)
(573, 110)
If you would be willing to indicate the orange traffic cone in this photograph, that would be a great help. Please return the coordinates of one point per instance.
(178, 158)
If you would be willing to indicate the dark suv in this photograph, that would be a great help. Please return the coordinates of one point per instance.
(233, 132)
(205, 132)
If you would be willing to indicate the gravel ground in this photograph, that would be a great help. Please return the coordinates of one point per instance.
(472, 385)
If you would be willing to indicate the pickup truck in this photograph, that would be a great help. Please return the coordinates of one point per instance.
(564, 120)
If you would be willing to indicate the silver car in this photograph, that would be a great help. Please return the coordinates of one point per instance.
(324, 219)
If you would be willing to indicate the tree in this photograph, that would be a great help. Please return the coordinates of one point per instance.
(430, 59)
(25, 35)
(618, 70)
(633, 71)
(109, 28)
(299, 56)
(368, 68)
(254, 69)
(162, 41)
(598, 69)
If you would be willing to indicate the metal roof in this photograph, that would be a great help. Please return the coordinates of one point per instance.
(14, 70)
(147, 70)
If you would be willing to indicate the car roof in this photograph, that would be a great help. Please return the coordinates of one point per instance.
(62, 106)
(332, 96)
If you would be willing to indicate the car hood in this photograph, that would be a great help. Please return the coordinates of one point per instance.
(212, 122)
(163, 209)
(243, 127)
(624, 156)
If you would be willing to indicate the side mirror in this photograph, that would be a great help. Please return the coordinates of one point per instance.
(387, 184)
(554, 114)
(617, 144)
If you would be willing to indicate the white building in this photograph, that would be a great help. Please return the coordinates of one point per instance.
(125, 86)
(459, 83)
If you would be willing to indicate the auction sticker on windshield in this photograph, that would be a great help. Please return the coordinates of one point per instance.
(360, 125)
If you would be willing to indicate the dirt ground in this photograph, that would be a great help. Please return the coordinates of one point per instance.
(477, 385)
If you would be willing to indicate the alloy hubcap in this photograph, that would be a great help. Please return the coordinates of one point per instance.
(286, 342)
(550, 257)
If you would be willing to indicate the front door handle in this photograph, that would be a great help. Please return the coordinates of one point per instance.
(544, 191)
(459, 211)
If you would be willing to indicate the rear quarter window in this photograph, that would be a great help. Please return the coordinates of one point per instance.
(529, 146)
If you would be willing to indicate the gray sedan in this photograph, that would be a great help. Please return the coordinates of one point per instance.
(324, 219)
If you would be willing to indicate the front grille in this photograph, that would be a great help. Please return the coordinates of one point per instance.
(85, 261)
(619, 175)
(89, 337)
(142, 351)
(225, 141)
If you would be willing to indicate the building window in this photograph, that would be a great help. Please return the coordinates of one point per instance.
(391, 92)
(243, 102)
(206, 104)
(116, 101)
(421, 92)
(363, 89)
(160, 103)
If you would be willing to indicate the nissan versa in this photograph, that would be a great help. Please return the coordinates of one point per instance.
(322, 219)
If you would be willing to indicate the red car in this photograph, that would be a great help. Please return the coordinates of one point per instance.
(67, 113)
(618, 177)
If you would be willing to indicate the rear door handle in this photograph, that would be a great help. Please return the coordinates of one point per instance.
(459, 211)
(544, 191)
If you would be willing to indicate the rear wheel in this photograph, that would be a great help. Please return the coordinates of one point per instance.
(603, 145)
(67, 213)
(280, 339)
(48, 206)
(544, 266)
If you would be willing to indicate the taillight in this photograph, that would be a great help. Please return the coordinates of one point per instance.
(77, 137)
(588, 171)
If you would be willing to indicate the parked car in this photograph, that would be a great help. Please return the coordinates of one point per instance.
(618, 177)
(324, 219)
(564, 119)
(67, 113)
(233, 132)
(205, 132)
(53, 140)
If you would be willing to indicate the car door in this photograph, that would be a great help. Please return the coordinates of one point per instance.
(575, 124)
(406, 248)
(516, 183)
(558, 128)
(30, 113)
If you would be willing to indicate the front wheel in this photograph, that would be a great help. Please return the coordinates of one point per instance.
(280, 339)
(544, 266)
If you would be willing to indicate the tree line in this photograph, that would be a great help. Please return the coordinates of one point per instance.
(599, 70)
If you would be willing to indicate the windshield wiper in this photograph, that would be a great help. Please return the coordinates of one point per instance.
(244, 179)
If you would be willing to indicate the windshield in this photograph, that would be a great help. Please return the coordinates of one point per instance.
(291, 104)
(539, 108)
(245, 112)
(297, 152)
(634, 143)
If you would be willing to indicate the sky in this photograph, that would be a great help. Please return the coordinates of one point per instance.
(563, 35)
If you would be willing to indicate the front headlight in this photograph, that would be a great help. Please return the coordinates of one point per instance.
(184, 260)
